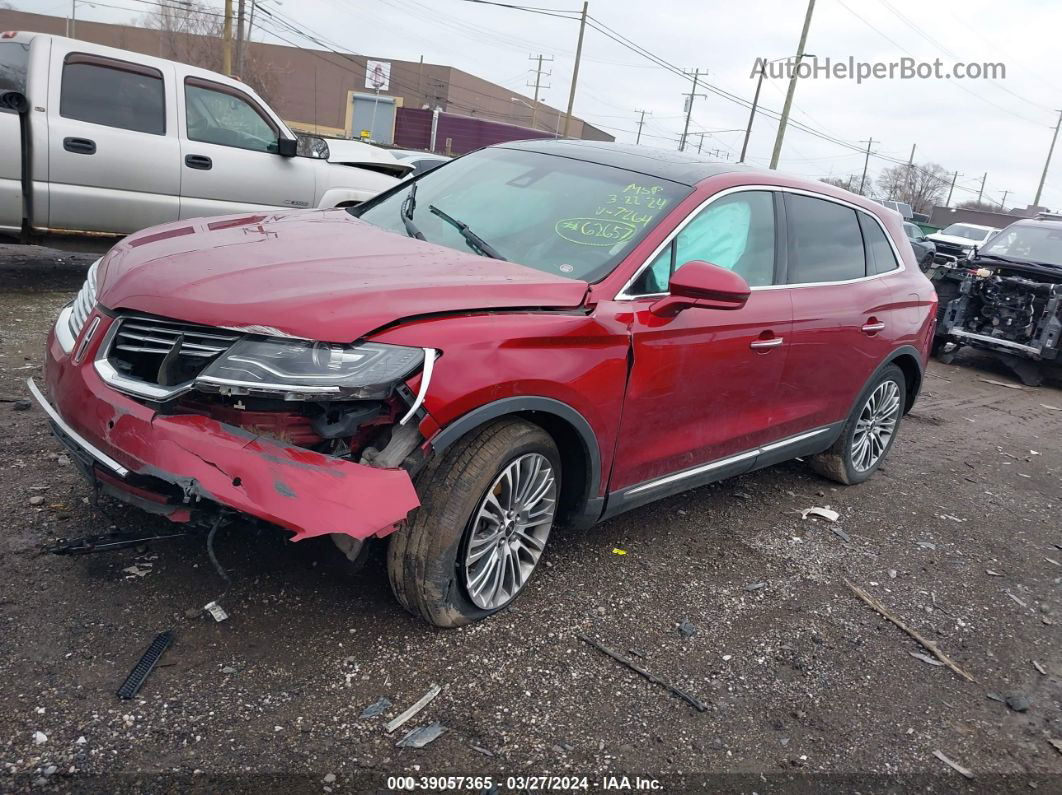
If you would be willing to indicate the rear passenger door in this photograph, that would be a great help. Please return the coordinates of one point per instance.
(845, 313)
(112, 151)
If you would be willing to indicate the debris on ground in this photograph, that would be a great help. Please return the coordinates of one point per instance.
(841, 534)
(1016, 599)
(963, 771)
(826, 513)
(1040, 668)
(691, 700)
(755, 586)
(928, 644)
(925, 658)
(418, 738)
(39, 738)
(618, 551)
(36, 499)
(1056, 744)
(686, 629)
(1000, 383)
(21, 405)
(132, 684)
(216, 610)
(991, 573)
(137, 570)
(1018, 702)
(424, 700)
(378, 707)
(480, 750)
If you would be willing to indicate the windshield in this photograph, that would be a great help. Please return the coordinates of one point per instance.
(968, 232)
(1041, 244)
(555, 214)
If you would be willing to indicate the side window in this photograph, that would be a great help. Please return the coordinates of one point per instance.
(113, 93)
(655, 278)
(880, 256)
(825, 244)
(216, 116)
(735, 232)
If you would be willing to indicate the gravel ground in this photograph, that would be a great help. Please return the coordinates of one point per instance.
(805, 685)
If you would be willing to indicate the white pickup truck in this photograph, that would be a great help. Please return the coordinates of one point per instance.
(101, 140)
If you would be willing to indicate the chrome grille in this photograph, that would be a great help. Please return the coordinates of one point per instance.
(141, 346)
(84, 302)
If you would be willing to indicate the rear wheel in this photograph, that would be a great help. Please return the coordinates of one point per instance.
(487, 507)
(869, 433)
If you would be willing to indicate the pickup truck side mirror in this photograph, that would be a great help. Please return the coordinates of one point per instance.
(702, 284)
(14, 100)
(287, 147)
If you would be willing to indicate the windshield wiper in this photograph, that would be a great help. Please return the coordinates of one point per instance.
(409, 204)
(475, 242)
(1000, 259)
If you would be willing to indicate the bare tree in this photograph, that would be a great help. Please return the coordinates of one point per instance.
(921, 185)
(849, 183)
(973, 204)
(192, 33)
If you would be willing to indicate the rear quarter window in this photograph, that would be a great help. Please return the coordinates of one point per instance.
(825, 241)
(880, 256)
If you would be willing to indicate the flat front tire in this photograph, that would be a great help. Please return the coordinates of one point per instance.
(869, 432)
(487, 507)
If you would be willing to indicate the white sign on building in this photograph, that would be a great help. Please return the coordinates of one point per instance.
(378, 75)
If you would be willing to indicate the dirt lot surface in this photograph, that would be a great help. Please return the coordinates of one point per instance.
(805, 685)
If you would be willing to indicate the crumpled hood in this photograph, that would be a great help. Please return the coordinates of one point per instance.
(315, 274)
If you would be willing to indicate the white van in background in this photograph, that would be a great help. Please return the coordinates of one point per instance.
(101, 140)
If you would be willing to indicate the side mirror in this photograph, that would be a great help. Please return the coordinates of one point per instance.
(14, 100)
(702, 284)
(287, 147)
(312, 146)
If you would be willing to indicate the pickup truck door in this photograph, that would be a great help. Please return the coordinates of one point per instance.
(112, 143)
(229, 160)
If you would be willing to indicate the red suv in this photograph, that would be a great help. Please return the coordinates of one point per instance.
(534, 333)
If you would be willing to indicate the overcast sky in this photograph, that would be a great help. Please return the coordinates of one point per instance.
(1001, 127)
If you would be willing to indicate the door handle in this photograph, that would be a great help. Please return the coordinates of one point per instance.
(202, 162)
(872, 326)
(79, 146)
(767, 344)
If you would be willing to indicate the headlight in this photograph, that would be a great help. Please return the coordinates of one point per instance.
(85, 301)
(305, 370)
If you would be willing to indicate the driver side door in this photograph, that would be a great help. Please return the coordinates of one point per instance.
(701, 396)
(229, 160)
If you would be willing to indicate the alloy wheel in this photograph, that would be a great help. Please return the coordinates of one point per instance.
(509, 531)
(876, 425)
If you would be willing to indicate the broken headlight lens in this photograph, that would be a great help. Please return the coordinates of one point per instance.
(306, 370)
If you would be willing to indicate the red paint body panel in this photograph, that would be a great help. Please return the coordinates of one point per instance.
(306, 492)
(660, 394)
(317, 274)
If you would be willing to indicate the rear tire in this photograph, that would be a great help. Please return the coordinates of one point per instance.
(439, 561)
(869, 432)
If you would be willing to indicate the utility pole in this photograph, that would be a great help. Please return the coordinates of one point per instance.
(777, 153)
(700, 142)
(226, 40)
(981, 192)
(951, 190)
(1047, 164)
(689, 106)
(641, 123)
(866, 162)
(239, 37)
(575, 69)
(538, 83)
(1003, 202)
(752, 113)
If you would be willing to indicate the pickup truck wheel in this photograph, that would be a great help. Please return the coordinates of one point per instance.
(868, 434)
(487, 507)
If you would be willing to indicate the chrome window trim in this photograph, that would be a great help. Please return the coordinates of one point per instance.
(722, 462)
(73, 435)
(624, 295)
